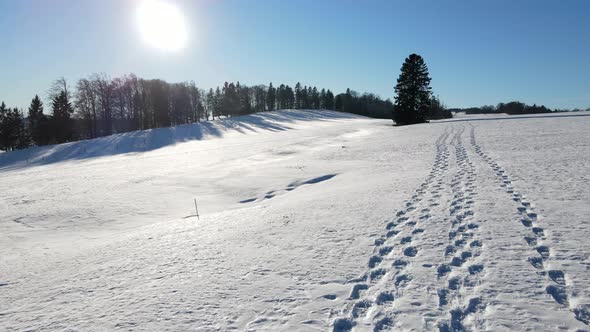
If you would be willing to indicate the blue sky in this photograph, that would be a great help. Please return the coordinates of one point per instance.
(478, 52)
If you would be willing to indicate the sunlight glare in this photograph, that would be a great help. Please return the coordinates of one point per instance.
(162, 25)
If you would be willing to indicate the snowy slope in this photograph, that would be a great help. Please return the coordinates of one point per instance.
(308, 221)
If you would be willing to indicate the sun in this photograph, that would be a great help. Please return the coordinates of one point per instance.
(162, 25)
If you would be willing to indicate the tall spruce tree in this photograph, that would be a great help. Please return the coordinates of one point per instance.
(61, 117)
(271, 97)
(37, 122)
(4, 123)
(329, 101)
(21, 138)
(413, 92)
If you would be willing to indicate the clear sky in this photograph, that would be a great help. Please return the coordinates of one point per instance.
(478, 52)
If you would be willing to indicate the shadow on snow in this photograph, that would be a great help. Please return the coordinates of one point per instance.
(153, 139)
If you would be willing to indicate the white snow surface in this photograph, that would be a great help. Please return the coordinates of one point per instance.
(308, 220)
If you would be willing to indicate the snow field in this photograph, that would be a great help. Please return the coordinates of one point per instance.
(309, 221)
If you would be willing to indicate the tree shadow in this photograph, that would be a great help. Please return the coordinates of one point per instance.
(157, 138)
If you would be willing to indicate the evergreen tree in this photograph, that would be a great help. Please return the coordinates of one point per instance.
(231, 100)
(245, 101)
(21, 138)
(37, 122)
(298, 96)
(271, 97)
(13, 133)
(211, 103)
(62, 110)
(281, 101)
(329, 100)
(4, 113)
(315, 98)
(218, 103)
(413, 92)
(348, 102)
(289, 97)
(339, 103)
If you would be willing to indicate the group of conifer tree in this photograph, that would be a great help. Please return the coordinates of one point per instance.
(99, 106)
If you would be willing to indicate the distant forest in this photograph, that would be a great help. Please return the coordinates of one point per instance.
(99, 106)
(511, 108)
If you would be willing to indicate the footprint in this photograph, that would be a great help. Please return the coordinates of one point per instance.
(406, 239)
(343, 325)
(557, 276)
(443, 297)
(391, 233)
(442, 270)
(531, 241)
(377, 274)
(457, 261)
(384, 297)
(418, 230)
(450, 249)
(536, 262)
(558, 294)
(360, 307)
(402, 280)
(374, 260)
(426, 216)
(249, 200)
(384, 251)
(474, 269)
(538, 231)
(543, 251)
(399, 263)
(411, 251)
(460, 243)
(356, 290)
(476, 243)
(454, 283)
(384, 323)
(582, 313)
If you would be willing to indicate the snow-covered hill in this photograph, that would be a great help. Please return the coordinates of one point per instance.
(308, 220)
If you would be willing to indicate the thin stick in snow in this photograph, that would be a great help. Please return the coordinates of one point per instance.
(197, 209)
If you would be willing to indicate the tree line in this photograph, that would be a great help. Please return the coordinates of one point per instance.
(512, 108)
(98, 106)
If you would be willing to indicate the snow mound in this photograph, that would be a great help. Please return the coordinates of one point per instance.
(153, 139)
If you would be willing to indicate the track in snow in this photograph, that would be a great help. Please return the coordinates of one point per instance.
(447, 231)
(419, 279)
(537, 238)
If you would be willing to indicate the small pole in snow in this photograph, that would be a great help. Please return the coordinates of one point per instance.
(197, 209)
